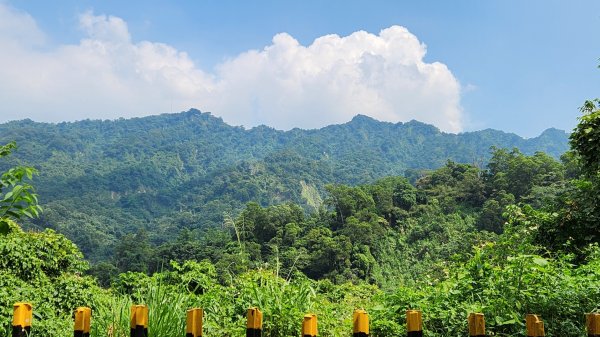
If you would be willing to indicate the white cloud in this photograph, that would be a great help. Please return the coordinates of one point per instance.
(104, 28)
(16, 26)
(284, 85)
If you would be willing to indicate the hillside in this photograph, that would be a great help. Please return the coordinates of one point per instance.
(102, 179)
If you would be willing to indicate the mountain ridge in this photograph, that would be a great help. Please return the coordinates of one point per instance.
(356, 119)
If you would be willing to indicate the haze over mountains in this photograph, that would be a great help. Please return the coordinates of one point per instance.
(101, 179)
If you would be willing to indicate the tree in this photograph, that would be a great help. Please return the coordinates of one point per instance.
(17, 197)
(585, 139)
(454, 185)
(346, 201)
(516, 173)
(133, 252)
(393, 197)
(579, 223)
(578, 208)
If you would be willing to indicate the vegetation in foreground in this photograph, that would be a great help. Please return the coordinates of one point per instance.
(505, 280)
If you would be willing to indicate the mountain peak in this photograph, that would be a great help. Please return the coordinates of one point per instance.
(363, 119)
(554, 132)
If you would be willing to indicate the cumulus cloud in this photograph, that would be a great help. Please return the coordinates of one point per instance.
(283, 85)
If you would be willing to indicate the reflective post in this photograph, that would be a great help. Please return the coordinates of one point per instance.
(476, 325)
(139, 321)
(593, 324)
(22, 316)
(414, 323)
(360, 323)
(534, 325)
(540, 329)
(309, 325)
(83, 316)
(254, 323)
(194, 322)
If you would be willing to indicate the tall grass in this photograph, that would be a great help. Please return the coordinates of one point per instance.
(167, 309)
(283, 303)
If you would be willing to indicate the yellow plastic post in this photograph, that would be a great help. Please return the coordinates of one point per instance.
(309, 325)
(194, 322)
(139, 321)
(530, 325)
(414, 323)
(83, 316)
(360, 323)
(22, 316)
(254, 323)
(540, 328)
(476, 325)
(534, 325)
(593, 324)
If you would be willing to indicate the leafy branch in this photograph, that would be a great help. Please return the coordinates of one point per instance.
(17, 197)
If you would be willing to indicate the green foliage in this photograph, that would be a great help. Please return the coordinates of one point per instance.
(133, 252)
(585, 139)
(575, 209)
(283, 302)
(386, 233)
(31, 256)
(393, 197)
(44, 269)
(17, 198)
(515, 173)
(454, 185)
(505, 281)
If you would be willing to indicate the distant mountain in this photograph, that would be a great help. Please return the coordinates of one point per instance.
(101, 179)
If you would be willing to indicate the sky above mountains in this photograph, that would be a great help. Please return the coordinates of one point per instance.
(519, 66)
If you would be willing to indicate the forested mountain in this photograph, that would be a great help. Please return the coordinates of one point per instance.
(102, 179)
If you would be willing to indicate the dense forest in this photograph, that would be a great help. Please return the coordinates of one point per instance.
(449, 224)
(102, 180)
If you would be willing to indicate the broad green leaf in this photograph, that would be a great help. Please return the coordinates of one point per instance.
(7, 196)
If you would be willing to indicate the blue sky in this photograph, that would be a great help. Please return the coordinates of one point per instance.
(518, 66)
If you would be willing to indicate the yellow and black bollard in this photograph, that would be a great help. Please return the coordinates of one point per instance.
(476, 325)
(194, 322)
(83, 316)
(540, 329)
(414, 323)
(360, 323)
(309, 325)
(254, 323)
(139, 321)
(22, 315)
(534, 326)
(593, 324)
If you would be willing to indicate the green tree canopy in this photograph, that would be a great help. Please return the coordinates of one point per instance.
(585, 139)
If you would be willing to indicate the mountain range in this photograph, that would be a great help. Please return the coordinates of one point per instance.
(101, 179)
